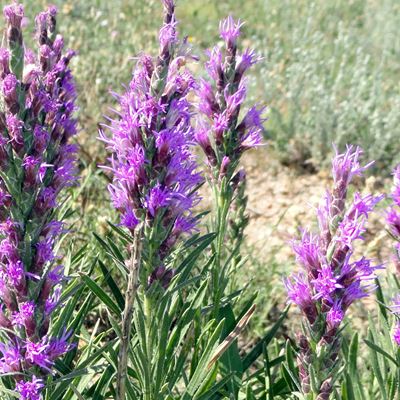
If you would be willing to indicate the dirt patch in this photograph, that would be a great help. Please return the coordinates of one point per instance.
(282, 199)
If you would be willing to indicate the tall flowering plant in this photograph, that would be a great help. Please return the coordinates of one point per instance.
(393, 222)
(383, 336)
(332, 277)
(37, 162)
(155, 181)
(224, 132)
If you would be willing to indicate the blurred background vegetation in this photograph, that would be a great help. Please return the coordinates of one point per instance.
(329, 73)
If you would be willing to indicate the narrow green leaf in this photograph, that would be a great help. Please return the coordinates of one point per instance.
(381, 351)
(101, 294)
(112, 285)
(249, 359)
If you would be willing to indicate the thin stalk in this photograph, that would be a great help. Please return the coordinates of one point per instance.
(222, 204)
(147, 395)
(134, 266)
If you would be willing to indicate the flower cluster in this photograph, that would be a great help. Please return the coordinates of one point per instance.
(393, 214)
(154, 170)
(37, 162)
(221, 133)
(393, 222)
(395, 309)
(331, 279)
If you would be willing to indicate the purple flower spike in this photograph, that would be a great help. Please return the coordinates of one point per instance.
(153, 166)
(331, 281)
(37, 162)
(299, 294)
(344, 167)
(395, 309)
(393, 214)
(396, 334)
(30, 390)
(221, 134)
(334, 316)
(229, 30)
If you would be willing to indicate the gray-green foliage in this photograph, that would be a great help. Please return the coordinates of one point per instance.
(329, 75)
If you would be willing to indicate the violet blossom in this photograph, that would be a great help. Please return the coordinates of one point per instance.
(393, 215)
(37, 162)
(222, 133)
(153, 167)
(395, 309)
(393, 222)
(332, 278)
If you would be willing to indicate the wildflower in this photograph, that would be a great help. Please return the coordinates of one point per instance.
(396, 334)
(154, 178)
(393, 214)
(331, 280)
(224, 131)
(154, 170)
(30, 390)
(220, 133)
(37, 162)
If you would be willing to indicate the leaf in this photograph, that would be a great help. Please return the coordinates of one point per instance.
(376, 368)
(112, 285)
(101, 294)
(381, 299)
(353, 352)
(347, 388)
(215, 388)
(290, 362)
(202, 370)
(249, 359)
(185, 268)
(381, 351)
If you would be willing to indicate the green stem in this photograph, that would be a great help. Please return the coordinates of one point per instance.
(147, 309)
(134, 266)
(222, 204)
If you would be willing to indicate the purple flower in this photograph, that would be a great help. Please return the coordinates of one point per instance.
(10, 84)
(4, 62)
(308, 252)
(37, 354)
(202, 138)
(59, 346)
(246, 60)
(220, 103)
(14, 13)
(16, 274)
(396, 334)
(344, 167)
(152, 163)
(300, 294)
(355, 292)
(11, 358)
(14, 126)
(25, 314)
(332, 280)
(229, 30)
(36, 155)
(53, 301)
(129, 220)
(334, 316)
(393, 213)
(157, 198)
(393, 220)
(325, 283)
(30, 390)
(350, 230)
